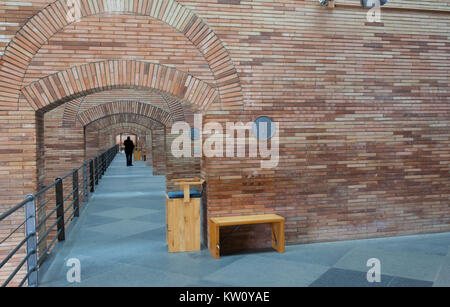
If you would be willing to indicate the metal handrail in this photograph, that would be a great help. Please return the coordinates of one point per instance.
(17, 207)
(93, 170)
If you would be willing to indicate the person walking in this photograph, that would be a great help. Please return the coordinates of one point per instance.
(129, 147)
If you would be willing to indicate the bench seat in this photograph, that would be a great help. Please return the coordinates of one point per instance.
(276, 221)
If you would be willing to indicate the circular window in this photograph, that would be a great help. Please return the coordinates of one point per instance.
(263, 128)
(195, 133)
(368, 4)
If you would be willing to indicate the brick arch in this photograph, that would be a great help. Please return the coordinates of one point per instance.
(78, 81)
(70, 111)
(114, 119)
(170, 104)
(146, 110)
(126, 127)
(103, 127)
(38, 29)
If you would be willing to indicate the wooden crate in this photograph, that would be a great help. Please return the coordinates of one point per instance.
(183, 224)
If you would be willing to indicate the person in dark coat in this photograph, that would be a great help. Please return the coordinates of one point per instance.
(129, 147)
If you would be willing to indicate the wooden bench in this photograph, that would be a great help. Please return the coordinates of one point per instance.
(276, 221)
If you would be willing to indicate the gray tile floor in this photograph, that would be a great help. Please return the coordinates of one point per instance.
(120, 241)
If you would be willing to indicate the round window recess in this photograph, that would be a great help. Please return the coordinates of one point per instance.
(263, 128)
(368, 4)
(195, 133)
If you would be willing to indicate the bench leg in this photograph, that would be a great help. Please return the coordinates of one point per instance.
(214, 235)
(167, 222)
(278, 236)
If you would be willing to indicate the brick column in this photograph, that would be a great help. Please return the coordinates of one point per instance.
(148, 148)
(64, 146)
(92, 143)
(158, 151)
(19, 173)
(177, 168)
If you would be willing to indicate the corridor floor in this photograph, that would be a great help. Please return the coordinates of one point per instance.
(119, 240)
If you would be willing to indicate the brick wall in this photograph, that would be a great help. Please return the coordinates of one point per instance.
(178, 168)
(92, 138)
(158, 151)
(149, 148)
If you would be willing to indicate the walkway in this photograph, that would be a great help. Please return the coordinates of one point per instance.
(120, 241)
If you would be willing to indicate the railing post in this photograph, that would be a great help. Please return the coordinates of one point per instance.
(85, 184)
(60, 209)
(96, 170)
(104, 163)
(30, 228)
(75, 195)
(101, 166)
(91, 175)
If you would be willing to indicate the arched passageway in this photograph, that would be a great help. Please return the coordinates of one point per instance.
(101, 132)
(48, 99)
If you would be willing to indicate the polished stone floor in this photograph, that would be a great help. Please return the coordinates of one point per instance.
(119, 240)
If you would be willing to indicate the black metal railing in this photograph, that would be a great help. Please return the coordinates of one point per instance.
(37, 234)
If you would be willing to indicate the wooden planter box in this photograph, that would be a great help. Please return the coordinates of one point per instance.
(183, 217)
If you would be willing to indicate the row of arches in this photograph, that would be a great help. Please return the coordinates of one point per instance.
(64, 115)
(41, 27)
(182, 92)
(79, 81)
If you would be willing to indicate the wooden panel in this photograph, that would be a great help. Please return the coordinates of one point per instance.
(183, 225)
(247, 219)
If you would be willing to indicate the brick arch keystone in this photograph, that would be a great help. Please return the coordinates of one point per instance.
(146, 110)
(78, 81)
(41, 27)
